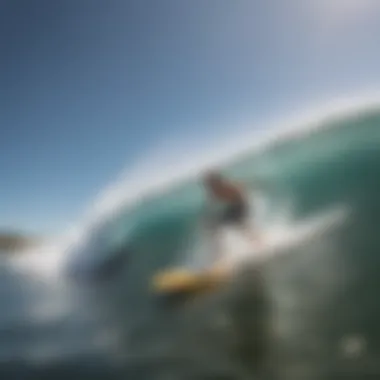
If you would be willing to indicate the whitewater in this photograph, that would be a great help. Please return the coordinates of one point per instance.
(304, 307)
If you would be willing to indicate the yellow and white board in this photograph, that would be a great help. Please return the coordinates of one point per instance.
(181, 280)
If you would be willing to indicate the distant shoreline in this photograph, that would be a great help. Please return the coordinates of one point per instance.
(12, 242)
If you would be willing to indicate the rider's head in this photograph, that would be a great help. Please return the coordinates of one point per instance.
(213, 179)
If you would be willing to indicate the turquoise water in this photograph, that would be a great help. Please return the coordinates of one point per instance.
(310, 314)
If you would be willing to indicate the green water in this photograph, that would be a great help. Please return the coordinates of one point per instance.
(310, 314)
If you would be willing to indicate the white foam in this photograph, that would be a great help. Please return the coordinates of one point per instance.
(44, 261)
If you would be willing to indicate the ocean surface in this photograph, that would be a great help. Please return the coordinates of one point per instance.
(311, 311)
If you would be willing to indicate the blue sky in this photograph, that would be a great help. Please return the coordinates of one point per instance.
(88, 87)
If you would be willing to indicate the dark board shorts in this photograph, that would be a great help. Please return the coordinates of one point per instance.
(235, 213)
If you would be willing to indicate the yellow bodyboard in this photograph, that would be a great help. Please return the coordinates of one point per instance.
(182, 280)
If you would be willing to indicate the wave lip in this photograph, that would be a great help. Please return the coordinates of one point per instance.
(142, 181)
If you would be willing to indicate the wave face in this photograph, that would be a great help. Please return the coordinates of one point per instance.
(301, 175)
(337, 163)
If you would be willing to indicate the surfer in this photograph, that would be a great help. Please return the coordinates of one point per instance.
(236, 206)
